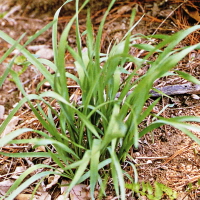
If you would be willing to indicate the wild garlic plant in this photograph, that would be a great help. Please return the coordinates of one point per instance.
(98, 132)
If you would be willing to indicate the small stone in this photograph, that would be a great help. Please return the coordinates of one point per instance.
(45, 53)
(194, 96)
(149, 162)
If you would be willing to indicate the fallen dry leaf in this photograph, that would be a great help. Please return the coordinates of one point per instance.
(64, 187)
(11, 125)
(2, 111)
(192, 12)
(52, 180)
(124, 9)
(78, 192)
(18, 171)
(5, 185)
(24, 197)
(40, 149)
(43, 196)
(62, 197)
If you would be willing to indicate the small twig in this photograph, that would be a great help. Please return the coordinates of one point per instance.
(169, 90)
(180, 151)
(168, 16)
(187, 88)
(153, 158)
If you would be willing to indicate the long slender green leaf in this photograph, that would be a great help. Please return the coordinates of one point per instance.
(90, 38)
(26, 155)
(95, 154)
(6, 72)
(80, 171)
(119, 174)
(7, 138)
(23, 176)
(9, 51)
(188, 77)
(29, 57)
(27, 183)
(101, 165)
(55, 32)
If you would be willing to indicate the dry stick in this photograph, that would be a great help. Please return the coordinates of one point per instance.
(169, 90)
(175, 154)
(169, 16)
(187, 88)
(153, 158)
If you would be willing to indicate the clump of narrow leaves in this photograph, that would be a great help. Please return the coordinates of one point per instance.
(96, 132)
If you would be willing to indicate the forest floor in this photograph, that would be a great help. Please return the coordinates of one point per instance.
(166, 155)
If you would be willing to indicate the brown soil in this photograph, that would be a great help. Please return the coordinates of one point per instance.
(166, 155)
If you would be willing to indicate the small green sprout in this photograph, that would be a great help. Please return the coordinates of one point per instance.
(155, 192)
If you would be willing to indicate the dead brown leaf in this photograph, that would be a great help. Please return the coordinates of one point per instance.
(5, 185)
(124, 9)
(18, 171)
(2, 111)
(78, 192)
(11, 125)
(43, 196)
(192, 12)
(24, 197)
(52, 180)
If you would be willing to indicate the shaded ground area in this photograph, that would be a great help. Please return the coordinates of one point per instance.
(165, 155)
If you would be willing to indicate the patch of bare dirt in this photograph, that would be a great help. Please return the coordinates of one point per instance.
(166, 155)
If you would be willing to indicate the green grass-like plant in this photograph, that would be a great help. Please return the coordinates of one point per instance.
(98, 131)
(155, 192)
